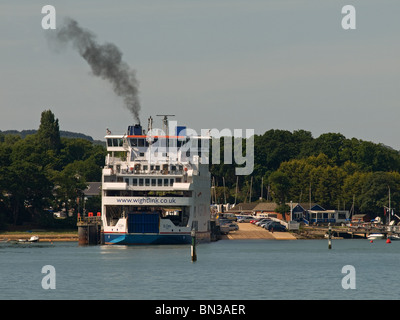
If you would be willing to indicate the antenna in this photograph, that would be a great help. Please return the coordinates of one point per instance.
(165, 121)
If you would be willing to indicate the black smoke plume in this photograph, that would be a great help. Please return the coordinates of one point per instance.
(105, 61)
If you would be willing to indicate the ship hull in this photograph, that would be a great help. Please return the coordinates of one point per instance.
(143, 239)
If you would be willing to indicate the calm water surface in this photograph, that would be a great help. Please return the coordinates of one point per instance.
(227, 269)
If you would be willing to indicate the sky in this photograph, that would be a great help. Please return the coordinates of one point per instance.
(236, 64)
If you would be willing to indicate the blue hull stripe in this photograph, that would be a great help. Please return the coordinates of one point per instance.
(117, 238)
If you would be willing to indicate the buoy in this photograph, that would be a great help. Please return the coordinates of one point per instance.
(388, 241)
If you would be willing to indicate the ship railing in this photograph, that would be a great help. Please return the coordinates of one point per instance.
(152, 172)
(90, 218)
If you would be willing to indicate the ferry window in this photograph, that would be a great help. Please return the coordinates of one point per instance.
(159, 182)
(109, 142)
(146, 143)
(120, 142)
(115, 142)
(178, 180)
(165, 182)
(153, 182)
(171, 182)
(127, 181)
(134, 142)
(140, 142)
(140, 182)
(134, 182)
(147, 182)
(142, 154)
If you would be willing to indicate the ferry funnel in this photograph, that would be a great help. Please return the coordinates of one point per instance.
(135, 130)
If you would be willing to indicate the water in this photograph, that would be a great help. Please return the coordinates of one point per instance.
(228, 269)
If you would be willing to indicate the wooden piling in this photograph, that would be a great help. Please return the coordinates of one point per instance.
(193, 246)
(329, 237)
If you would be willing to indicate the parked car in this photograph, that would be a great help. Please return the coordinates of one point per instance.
(266, 224)
(233, 227)
(229, 216)
(224, 221)
(258, 223)
(276, 226)
(245, 219)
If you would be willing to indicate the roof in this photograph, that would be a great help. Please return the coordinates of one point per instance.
(266, 206)
(243, 207)
(306, 206)
(93, 189)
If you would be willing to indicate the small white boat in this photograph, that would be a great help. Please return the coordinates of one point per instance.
(31, 239)
(376, 236)
(394, 237)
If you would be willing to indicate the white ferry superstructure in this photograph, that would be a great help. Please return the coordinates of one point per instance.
(155, 190)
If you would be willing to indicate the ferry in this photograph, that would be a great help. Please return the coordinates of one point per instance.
(155, 186)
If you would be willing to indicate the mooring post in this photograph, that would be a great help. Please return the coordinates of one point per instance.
(329, 236)
(193, 247)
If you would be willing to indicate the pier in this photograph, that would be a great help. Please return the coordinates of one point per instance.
(364, 232)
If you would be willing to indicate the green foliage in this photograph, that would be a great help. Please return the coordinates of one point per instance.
(280, 184)
(334, 169)
(49, 132)
(42, 171)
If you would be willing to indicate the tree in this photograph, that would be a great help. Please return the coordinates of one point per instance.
(41, 170)
(375, 194)
(49, 132)
(280, 185)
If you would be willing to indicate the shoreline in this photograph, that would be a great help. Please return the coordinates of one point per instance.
(45, 237)
(246, 231)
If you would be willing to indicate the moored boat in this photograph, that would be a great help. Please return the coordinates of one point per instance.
(376, 236)
(31, 239)
(394, 237)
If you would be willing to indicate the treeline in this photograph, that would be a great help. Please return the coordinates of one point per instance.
(63, 134)
(43, 171)
(331, 169)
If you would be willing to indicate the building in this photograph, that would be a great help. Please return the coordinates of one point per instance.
(314, 213)
(243, 208)
(359, 218)
(93, 189)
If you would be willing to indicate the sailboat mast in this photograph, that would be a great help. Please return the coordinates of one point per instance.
(237, 186)
(389, 206)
